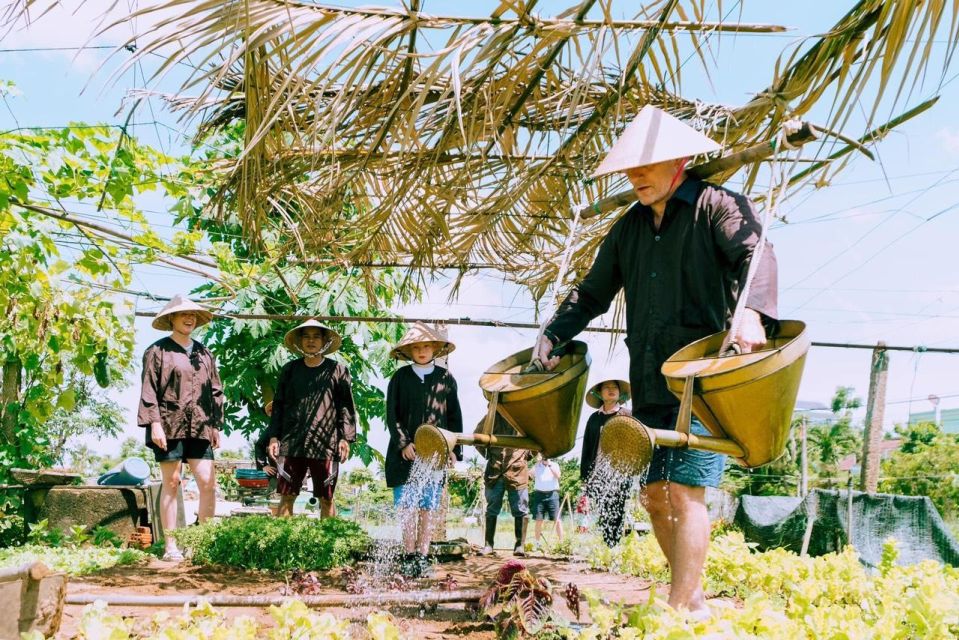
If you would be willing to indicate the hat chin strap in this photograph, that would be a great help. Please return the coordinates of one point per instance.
(679, 173)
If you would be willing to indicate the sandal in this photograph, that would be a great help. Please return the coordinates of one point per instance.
(173, 556)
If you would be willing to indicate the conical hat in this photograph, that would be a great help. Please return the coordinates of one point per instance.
(332, 338)
(595, 399)
(421, 332)
(653, 136)
(180, 303)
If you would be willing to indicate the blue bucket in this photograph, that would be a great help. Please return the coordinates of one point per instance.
(130, 472)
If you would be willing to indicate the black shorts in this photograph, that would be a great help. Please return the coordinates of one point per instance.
(183, 449)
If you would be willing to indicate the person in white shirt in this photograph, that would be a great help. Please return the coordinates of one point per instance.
(546, 475)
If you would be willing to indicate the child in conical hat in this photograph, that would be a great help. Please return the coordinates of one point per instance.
(608, 398)
(313, 417)
(421, 393)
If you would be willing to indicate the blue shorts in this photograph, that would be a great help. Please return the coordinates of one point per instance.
(429, 500)
(545, 505)
(690, 467)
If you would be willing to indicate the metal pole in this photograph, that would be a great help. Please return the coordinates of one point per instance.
(327, 600)
(849, 528)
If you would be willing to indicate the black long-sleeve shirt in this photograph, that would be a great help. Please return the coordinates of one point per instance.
(594, 425)
(411, 402)
(313, 409)
(680, 281)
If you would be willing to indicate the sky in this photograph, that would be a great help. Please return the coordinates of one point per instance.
(871, 257)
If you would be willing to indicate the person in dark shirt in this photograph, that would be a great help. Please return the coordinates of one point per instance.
(261, 451)
(181, 410)
(680, 255)
(609, 503)
(313, 421)
(507, 472)
(421, 393)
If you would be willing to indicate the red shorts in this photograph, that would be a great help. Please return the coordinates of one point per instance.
(320, 471)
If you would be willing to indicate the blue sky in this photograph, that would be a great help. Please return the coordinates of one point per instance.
(871, 257)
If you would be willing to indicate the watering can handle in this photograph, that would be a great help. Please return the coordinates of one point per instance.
(535, 366)
(685, 416)
(732, 349)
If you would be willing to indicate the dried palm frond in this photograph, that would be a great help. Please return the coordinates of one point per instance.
(463, 140)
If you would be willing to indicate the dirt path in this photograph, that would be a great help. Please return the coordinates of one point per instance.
(446, 621)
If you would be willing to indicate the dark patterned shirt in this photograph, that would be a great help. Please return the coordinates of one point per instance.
(411, 402)
(313, 409)
(594, 426)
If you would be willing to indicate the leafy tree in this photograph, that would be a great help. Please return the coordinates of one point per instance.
(779, 477)
(834, 440)
(93, 414)
(916, 437)
(926, 465)
(250, 353)
(57, 323)
(569, 482)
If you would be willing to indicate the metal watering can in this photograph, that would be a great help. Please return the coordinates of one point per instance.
(745, 400)
(543, 406)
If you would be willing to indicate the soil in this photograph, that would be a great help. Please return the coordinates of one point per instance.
(445, 621)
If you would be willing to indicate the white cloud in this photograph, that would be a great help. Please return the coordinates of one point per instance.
(948, 138)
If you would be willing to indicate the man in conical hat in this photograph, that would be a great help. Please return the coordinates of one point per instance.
(313, 418)
(680, 255)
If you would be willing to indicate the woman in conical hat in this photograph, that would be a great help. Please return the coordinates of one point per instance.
(607, 496)
(680, 255)
(181, 409)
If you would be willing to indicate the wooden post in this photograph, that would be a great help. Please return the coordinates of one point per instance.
(804, 461)
(875, 410)
(849, 512)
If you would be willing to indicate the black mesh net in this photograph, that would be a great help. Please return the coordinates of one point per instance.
(777, 521)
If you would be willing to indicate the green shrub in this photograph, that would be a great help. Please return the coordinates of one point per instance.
(13, 529)
(274, 544)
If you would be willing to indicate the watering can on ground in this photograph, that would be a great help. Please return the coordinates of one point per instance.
(130, 472)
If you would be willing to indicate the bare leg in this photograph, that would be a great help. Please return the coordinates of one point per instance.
(689, 544)
(423, 532)
(205, 475)
(538, 530)
(327, 508)
(559, 528)
(170, 473)
(407, 518)
(285, 510)
(656, 500)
